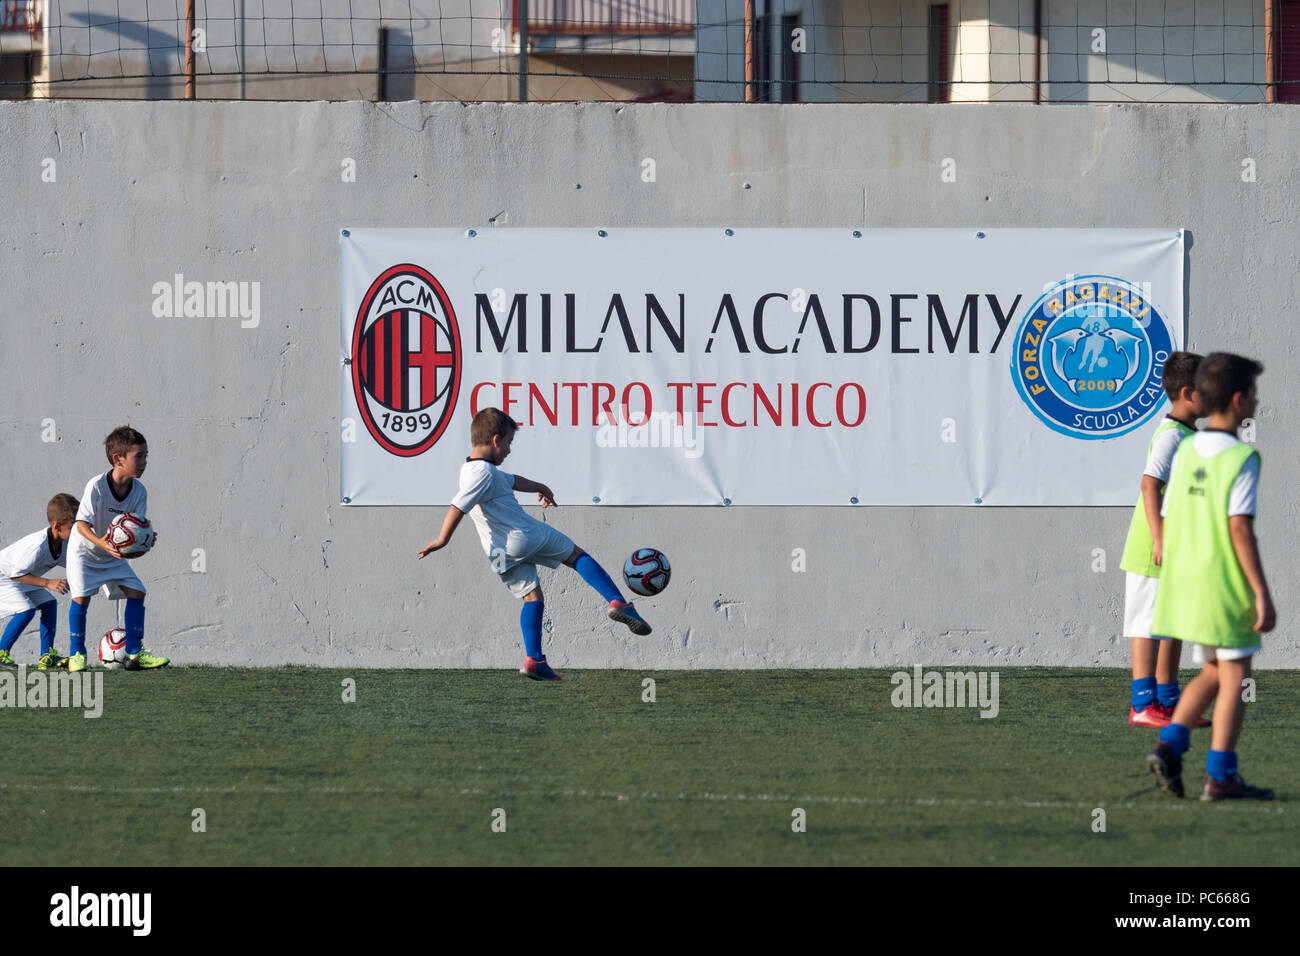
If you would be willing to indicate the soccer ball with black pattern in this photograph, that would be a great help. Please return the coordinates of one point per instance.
(646, 571)
(131, 535)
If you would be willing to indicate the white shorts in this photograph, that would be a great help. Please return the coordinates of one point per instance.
(1208, 652)
(1140, 605)
(525, 550)
(20, 598)
(87, 577)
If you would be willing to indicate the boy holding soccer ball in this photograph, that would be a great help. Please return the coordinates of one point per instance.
(93, 562)
(515, 542)
(1212, 586)
(23, 590)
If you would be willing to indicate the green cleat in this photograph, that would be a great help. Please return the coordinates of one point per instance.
(51, 660)
(144, 661)
(6, 660)
(77, 662)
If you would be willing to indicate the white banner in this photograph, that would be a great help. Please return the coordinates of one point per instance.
(760, 366)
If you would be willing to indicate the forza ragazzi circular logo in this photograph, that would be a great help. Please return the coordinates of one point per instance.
(406, 360)
(1089, 356)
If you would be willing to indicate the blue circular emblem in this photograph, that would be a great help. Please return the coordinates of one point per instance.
(1089, 356)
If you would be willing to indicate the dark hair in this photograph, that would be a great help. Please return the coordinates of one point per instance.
(120, 440)
(62, 507)
(1179, 373)
(1221, 376)
(489, 422)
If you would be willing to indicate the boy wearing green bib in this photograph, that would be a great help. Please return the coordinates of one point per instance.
(1212, 586)
(1155, 658)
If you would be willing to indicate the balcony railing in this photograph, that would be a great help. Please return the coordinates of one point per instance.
(20, 15)
(608, 17)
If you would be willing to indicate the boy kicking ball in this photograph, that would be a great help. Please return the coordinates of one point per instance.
(23, 590)
(1212, 586)
(515, 542)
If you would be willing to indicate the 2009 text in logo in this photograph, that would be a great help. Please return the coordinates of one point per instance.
(1089, 356)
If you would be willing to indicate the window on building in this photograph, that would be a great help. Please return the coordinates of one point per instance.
(1286, 68)
(940, 54)
(776, 64)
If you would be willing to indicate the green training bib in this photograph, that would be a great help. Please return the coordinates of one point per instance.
(1140, 543)
(1204, 596)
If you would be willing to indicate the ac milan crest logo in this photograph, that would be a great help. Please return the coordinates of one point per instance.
(406, 360)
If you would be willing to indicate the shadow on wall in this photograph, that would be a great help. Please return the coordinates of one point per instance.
(166, 52)
(398, 81)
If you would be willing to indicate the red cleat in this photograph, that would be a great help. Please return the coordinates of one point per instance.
(1152, 715)
(538, 670)
(626, 614)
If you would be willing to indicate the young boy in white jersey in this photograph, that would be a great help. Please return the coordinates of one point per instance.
(94, 563)
(1212, 586)
(23, 588)
(515, 541)
(1154, 691)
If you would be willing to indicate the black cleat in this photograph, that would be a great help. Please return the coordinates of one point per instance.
(1233, 789)
(1168, 768)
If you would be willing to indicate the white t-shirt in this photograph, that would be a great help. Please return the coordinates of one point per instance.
(487, 494)
(1163, 448)
(1241, 500)
(99, 506)
(29, 555)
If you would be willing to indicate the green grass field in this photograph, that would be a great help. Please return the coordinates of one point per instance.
(588, 773)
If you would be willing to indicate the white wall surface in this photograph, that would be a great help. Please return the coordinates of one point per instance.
(243, 423)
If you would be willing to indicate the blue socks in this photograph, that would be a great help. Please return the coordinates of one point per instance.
(77, 628)
(1144, 692)
(1221, 764)
(1178, 737)
(595, 575)
(49, 622)
(1168, 694)
(530, 622)
(530, 615)
(17, 624)
(134, 625)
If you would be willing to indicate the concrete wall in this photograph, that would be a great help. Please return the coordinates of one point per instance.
(243, 423)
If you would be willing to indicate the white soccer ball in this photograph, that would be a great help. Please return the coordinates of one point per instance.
(112, 648)
(646, 571)
(131, 535)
